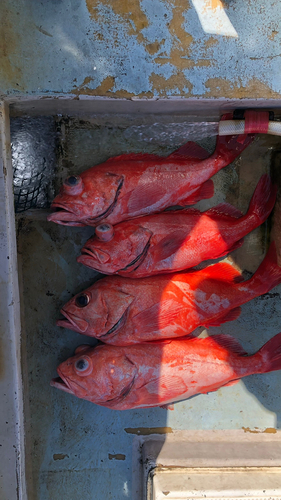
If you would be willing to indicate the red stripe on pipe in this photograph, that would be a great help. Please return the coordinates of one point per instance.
(256, 121)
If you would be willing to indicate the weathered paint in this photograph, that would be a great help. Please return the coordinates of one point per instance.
(141, 48)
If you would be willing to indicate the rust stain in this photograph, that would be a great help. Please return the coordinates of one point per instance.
(203, 62)
(256, 430)
(146, 431)
(247, 429)
(273, 34)
(118, 456)
(10, 71)
(130, 10)
(213, 5)
(59, 456)
(175, 84)
(211, 42)
(182, 40)
(104, 89)
(152, 48)
(219, 87)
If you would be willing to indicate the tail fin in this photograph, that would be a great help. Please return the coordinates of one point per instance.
(228, 147)
(271, 355)
(268, 275)
(263, 199)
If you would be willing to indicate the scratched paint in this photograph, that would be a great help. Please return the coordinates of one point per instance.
(141, 48)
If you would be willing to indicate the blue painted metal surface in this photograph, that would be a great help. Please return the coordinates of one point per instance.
(204, 48)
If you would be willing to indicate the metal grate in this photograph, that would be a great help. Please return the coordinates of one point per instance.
(33, 142)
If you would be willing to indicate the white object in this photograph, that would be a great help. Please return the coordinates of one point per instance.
(236, 127)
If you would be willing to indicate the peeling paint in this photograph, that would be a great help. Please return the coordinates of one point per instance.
(140, 48)
(146, 431)
(219, 87)
(60, 456)
(256, 430)
(177, 85)
(118, 456)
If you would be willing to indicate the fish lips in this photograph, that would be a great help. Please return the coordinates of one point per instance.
(97, 260)
(64, 216)
(61, 384)
(72, 322)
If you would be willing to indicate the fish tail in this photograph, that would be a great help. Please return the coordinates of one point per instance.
(267, 276)
(263, 199)
(270, 355)
(228, 147)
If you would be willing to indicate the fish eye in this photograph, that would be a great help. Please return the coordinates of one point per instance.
(73, 180)
(82, 300)
(81, 365)
(104, 232)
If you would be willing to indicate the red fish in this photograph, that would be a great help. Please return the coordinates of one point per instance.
(173, 241)
(124, 311)
(142, 376)
(132, 185)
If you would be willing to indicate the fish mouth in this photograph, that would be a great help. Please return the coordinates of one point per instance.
(93, 259)
(63, 216)
(97, 255)
(62, 384)
(72, 322)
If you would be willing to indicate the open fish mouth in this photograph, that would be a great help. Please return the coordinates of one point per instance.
(93, 259)
(72, 322)
(59, 383)
(63, 216)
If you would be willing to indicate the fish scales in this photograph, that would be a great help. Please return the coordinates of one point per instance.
(175, 240)
(161, 373)
(132, 185)
(123, 311)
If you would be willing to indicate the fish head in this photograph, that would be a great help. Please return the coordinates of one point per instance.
(119, 248)
(99, 311)
(101, 374)
(86, 199)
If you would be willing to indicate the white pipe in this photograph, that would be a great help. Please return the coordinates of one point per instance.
(236, 127)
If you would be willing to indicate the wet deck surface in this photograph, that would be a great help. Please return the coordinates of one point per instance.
(75, 448)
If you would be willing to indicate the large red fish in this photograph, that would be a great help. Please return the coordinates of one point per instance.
(124, 311)
(141, 376)
(173, 241)
(133, 185)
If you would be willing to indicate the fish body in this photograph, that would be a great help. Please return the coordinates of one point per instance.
(173, 241)
(123, 311)
(134, 185)
(161, 373)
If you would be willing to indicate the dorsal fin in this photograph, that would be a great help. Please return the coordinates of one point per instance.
(222, 272)
(192, 151)
(229, 343)
(135, 157)
(224, 209)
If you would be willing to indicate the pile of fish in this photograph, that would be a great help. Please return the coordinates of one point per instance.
(144, 314)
